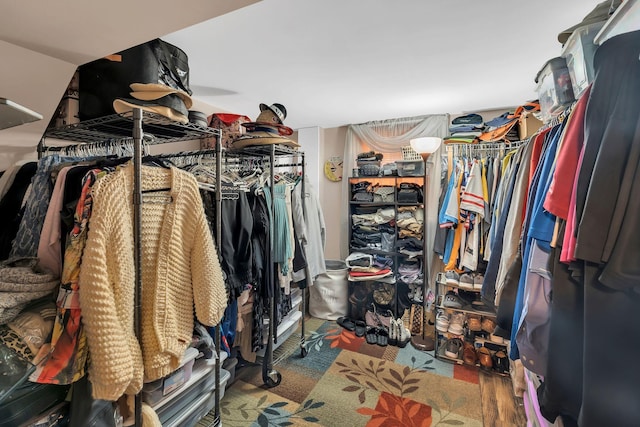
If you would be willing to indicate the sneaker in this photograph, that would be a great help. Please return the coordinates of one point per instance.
(488, 325)
(478, 279)
(452, 278)
(452, 300)
(456, 324)
(466, 281)
(442, 321)
(452, 348)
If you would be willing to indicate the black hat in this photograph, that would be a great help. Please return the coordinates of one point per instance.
(277, 109)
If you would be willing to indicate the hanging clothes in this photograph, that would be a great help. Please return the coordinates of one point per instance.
(178, 251)
(63, 359)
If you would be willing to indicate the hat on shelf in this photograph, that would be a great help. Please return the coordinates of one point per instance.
(153, 91)
(600, 13)
(170, 106)
(265, 135)
(268, 129)
(198, 118)
(272, 115)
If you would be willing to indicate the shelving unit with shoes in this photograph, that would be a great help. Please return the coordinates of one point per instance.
(465, 326)
(385, 246)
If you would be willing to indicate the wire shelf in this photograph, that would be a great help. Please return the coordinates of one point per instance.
(118, 126)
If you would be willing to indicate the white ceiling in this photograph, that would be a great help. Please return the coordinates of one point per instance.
(336, 62)
(330, 62)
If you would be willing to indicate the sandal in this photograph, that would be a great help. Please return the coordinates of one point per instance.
(382, 337)
(360, 328)
(346, 323)
(371, 336)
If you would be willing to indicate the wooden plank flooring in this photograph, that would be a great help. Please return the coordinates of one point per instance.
(500, 408)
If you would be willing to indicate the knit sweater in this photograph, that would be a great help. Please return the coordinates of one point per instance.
(180, 270)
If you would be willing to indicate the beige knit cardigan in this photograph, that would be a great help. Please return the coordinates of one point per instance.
(180, 270)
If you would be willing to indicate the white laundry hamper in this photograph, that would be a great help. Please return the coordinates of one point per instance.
(328, 297)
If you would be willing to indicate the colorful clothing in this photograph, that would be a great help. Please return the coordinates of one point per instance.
(63, 360)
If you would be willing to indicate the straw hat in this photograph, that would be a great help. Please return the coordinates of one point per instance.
(170, 106)
(263, 135)
(153, 91)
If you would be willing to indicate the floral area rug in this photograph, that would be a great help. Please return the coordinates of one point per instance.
(343, 381)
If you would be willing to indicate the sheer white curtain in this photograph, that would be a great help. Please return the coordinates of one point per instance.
(389, 136)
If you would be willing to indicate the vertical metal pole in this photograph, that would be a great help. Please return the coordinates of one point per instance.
(137, 247)
(218, 335)
(425, 281)
(272, 280)
(309, 278)
(422, 342)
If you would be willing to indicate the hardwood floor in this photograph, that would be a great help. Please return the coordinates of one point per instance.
(500, 408)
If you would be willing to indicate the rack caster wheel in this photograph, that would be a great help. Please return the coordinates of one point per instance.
(272, 379)
(304, 351)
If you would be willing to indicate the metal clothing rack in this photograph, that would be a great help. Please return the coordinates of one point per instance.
(114, 130)
(264, 157)
(472, 150)
(272, 153)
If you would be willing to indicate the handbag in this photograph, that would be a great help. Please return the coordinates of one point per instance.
(383, 194)
(230, 126)
(374, 319)
(384, 293)
(410, 193)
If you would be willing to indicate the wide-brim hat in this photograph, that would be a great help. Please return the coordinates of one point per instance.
(277, 109)
(263, 138)
(169, 106)
(600, 13)
(153, 91)
(268, 126)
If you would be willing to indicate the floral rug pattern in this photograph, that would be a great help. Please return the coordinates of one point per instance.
(344, 381)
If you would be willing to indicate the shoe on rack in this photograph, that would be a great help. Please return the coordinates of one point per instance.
(456, 324)
(501, 362)
(478, 279)
(452, 348)
(484, 355)
(452, 300)
(393, 331)
(496, 338)
(466, 281)
(469, 355)
(404, 335)
(452, 278)
(473, 322)
(488, 325)
(442, 321)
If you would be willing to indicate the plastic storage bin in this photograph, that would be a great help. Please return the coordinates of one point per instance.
(154, 391)
(554, 88)
(578, 52)
(328, 297)
(410, 167)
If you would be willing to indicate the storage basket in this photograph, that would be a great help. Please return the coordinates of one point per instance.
(409, 153)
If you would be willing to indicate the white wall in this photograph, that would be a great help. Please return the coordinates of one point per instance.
(37, 82)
